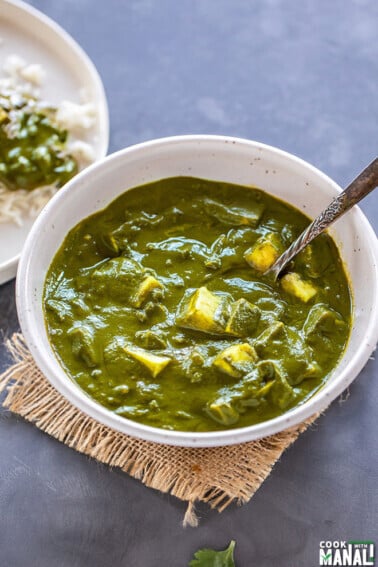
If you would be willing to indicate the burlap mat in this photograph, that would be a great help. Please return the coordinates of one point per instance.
(217, 476)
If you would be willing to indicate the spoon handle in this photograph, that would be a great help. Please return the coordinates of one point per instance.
(361, 186)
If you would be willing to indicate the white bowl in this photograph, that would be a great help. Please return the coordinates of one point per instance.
(210, 157)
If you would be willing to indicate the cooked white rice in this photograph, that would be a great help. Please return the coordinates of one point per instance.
(15, 206)
(24, 78)
(33, 74)
(74, 117)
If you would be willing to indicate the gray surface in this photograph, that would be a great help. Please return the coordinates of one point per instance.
(300, 75)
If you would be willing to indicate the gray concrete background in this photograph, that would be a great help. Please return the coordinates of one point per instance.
(300, 75)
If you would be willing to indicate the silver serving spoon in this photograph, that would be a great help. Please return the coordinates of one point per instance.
(364, 183)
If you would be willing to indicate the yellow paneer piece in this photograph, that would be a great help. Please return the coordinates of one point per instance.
(223, 412)
(200, 313)
(3, 115)
(154, 363)
(302, 289)
(265, 389)
(264, 252)
(235, 360)
(148, 285)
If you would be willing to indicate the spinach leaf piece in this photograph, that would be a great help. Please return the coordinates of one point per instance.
(211, 558)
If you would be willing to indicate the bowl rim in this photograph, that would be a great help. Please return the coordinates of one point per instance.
(51, 368)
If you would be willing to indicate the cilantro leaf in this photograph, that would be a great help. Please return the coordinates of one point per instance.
(211, 558)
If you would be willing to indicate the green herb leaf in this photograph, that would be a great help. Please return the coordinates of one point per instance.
(211, 558)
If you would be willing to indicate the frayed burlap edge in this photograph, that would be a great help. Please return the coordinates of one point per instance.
(217, 476)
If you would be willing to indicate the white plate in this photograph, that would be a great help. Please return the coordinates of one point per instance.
(28, 33)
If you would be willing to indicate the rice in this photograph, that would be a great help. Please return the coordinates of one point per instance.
(33, 74)
(82, 152)
(25, 79)
(74, 117)
(13, 65)
(15, 206)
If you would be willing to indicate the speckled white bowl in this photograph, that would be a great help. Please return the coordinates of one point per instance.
(211, 157)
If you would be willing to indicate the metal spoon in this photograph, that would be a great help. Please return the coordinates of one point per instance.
(364, 183)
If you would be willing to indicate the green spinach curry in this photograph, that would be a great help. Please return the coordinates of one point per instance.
(32, 146)
(158, 306)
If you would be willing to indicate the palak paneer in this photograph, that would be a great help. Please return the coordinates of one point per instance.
(159, 307)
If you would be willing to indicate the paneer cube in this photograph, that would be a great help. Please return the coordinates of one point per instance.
(281, 392)
(203, 311)
(322, 320)
(150, 340)
(83, 345)
(268, 340)
(236, 360)
(244, 318)
(264, 390)
(264, 252)
(146, 288)
(155, 364)
(3, 115)
(282, 343)
(223, 412)
(301, 289)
